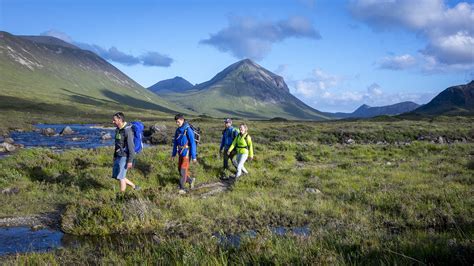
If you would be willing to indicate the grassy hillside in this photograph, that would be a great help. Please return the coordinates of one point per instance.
(455, 100)
(393, 203)
(53, 78)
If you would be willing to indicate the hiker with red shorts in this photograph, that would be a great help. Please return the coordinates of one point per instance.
(185, 146)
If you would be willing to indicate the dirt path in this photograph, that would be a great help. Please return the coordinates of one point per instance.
(210, 189)
(51, 220)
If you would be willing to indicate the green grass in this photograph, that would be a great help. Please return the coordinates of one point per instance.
(380, 204)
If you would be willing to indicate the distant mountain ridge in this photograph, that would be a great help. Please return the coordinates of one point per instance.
(365, 111)
(245, 89)
(455, 100)
(48, 40)
(49, 70)
(176, 84)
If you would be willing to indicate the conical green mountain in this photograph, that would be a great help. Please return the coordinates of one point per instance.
(176, 84)
(246, 90)
(48, 74)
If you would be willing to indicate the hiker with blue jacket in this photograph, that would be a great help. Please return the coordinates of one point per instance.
(184, 145)
(124, 152)
(228, 135)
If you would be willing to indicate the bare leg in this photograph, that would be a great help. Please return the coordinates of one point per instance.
(123, 184)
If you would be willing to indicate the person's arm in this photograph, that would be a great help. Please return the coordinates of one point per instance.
(250, 144)
(130, 144)
(191, 143)
(235, 133)
(174, 151)
(223, 140)
(234, 143)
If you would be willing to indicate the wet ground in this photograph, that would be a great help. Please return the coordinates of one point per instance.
(24, 239)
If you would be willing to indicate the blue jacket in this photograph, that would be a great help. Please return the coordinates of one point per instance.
(182, 143)
(228, 136)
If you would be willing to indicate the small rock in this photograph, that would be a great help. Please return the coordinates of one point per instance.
(78, 138)
(313, 190)
(9, 140)
(106, 136)
(36, 227)
(48, 131)
(350, 141)
(66, 131)
(156, 238)
(158, 128)
(11, 191)
(8, 147)
(440, 140)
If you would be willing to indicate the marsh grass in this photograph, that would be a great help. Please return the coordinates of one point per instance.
(403, 203)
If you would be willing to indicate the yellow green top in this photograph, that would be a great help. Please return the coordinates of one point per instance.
(243, 144)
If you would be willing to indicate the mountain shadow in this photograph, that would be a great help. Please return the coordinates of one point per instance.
(134, 102)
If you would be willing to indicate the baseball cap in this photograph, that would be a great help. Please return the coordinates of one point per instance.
(227, 120)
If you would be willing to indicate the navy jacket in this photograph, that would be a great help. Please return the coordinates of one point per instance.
(228, 136)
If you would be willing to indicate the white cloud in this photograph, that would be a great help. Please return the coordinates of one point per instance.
(396, 62)
(449, 31)
(57, 34)
(114, 54)
(452, 49)
(318, 84)
(246, 37)
(333, 93)
(374, 90)
(281, 69)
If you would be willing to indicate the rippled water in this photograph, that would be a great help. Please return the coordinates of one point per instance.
(22, 239)
(85, 136)
(15, 240)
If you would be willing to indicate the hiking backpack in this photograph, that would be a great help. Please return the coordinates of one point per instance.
(196, 131)
(246, 142)
(137, 128)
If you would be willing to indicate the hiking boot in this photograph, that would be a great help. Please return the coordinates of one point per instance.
(193, 181)
(181, 192)
(137, 187)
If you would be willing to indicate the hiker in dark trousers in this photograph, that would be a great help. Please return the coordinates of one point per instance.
(124, 152)
(228, 135)
(185, 146)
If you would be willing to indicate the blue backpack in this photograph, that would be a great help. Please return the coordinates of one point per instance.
(137, 128)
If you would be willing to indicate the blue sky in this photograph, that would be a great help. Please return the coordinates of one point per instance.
(334, 55)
